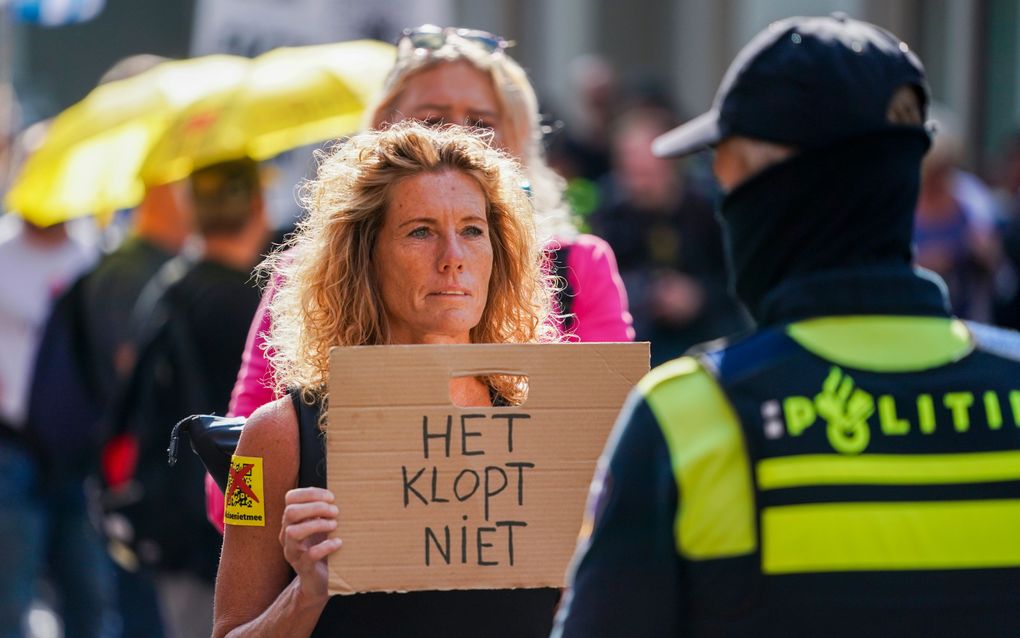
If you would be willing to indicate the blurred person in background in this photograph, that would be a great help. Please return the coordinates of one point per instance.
(578, 145)
(44, 526)
(830, 474)
(582, 148)
(955, 232)
(160, 227)
(466, 77)
(1007, 177)
(192, 321)
(667, 241)
(106, 298)
(398, 219)
(1007, 180)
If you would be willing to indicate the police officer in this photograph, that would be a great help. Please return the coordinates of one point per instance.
(853, 466)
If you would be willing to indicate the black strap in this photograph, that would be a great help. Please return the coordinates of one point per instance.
(311, 443)
(565, 295)
(157, 314)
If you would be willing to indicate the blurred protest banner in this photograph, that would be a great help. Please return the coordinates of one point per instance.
(252, 27)
(433, 496)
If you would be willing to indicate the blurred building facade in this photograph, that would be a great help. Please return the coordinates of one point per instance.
(971, 47)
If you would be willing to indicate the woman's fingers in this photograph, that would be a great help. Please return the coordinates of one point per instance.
(299, 532)
(308, 495)
(302, 520)
(305, 545)
(324, 549)
(304, 555)
(298, 512)
(309, 515)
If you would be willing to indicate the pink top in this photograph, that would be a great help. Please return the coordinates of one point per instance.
(254, 384)
(600, 307)
(600, 300)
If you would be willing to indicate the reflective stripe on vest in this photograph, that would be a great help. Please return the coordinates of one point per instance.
(715, 517)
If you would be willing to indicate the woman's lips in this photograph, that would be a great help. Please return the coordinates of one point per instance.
(450, 293)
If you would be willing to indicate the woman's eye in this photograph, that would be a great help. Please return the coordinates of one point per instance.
(483, 124)
(419, 233)
(474, 231)
(432, 120)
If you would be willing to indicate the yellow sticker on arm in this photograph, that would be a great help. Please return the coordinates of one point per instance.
(245, 495)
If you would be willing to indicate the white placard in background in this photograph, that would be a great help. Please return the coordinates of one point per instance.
(251, 27)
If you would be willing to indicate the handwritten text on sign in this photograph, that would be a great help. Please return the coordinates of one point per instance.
(486, 543)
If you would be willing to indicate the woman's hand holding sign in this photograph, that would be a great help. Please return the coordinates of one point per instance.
(308, 516)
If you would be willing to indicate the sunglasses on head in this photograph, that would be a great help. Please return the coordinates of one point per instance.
(431, 38)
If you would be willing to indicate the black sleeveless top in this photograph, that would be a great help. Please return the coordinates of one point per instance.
(513, 613)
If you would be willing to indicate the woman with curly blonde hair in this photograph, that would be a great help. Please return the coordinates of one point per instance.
(414, 235)
(464, 76)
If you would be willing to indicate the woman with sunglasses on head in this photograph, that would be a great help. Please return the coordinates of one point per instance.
(464, 76)
(414, 235)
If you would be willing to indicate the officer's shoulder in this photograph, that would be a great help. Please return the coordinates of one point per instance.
(699, 364)
(685, 400)
(678, 372)
(1001, 342)
(735, 358)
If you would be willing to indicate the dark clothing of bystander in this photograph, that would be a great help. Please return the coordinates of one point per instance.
(192, 341)
(656, 248)
(110, 291)
(108, 295)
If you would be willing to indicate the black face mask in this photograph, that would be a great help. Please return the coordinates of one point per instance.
(846, 205)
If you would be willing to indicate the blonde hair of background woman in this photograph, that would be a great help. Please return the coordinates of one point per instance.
(520, 112)
(328, 296)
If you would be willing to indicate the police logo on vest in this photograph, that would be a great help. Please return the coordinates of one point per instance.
(848, 413)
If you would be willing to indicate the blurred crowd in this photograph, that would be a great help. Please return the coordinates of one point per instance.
(658, 214)
(115, 287)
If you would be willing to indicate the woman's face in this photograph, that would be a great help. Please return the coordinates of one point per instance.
(433, 258)
(456, 93)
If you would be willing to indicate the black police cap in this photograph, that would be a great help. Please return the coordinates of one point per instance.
(805, 82)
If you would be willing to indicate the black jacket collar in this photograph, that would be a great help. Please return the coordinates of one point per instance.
(872, 290)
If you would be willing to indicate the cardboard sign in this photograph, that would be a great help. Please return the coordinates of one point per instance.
(433, 496)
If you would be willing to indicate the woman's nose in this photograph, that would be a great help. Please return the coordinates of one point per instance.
(452, 255)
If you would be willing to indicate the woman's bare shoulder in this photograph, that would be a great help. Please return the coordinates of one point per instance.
(271, 430)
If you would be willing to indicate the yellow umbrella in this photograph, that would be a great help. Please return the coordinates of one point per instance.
(291, 97)
(91, 158)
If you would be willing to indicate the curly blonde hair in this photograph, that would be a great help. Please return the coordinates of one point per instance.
(520, 112)
(327, 294)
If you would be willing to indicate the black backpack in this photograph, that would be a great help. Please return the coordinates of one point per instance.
(154, 515)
